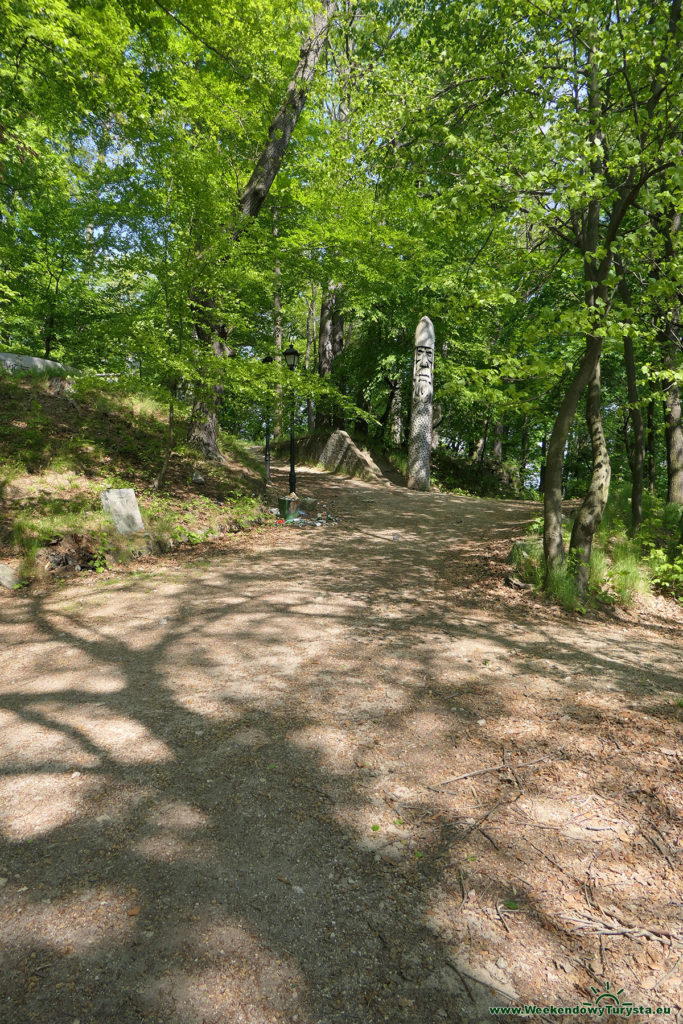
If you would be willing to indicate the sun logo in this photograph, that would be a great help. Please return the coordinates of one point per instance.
(607, 997)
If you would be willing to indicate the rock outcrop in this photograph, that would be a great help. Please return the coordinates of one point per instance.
(342, 455)
(12, 362)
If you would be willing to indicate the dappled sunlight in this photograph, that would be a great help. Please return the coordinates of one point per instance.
(120, 738)
(76, 925)
(202, 702)
(425, 732)
(574, 820)
(231, 977)
(318, 773)
(35, 805)
(27, 740)
(177, 815)
(56, 683)
(169, 847)
(247, 738)
(330, 744)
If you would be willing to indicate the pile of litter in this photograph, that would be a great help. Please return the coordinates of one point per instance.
(304, 519)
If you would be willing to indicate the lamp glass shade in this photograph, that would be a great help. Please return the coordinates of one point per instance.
(291, 357)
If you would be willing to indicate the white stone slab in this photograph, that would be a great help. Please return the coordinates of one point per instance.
(8, 577)
(122, 506)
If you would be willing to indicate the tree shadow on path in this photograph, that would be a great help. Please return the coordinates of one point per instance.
(215, 802)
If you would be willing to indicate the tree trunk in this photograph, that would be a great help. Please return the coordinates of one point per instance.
(277, 329)
(590, 514)
(670, 347)
(651, 446)
(341, 335)
(638, 445)
(203, 432)
(589, 230)
(330, 339)
(667, 445)
(396, 415)
(672, 412)
(674, 439)
(541, 470)
(310, 353)
(284, 122)
(524, 449)
(263, 176)
(587, 238)
(637, 458)
(498, 441)
(553, 546)
(480, 446)
(627, 440)
(595, 228)
(436, 423)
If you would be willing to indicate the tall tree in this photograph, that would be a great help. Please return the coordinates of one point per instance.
(253, 196)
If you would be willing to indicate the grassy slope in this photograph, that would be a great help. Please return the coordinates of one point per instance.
(58, 452)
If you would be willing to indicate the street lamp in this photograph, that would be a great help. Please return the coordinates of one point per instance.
(291, 358)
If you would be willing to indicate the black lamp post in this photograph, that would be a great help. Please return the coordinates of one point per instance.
(291, 358)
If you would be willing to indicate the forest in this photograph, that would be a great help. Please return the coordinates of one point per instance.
(394, 735)
(185, 191)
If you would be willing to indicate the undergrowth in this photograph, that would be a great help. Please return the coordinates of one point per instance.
(456, 475)
(623, 565)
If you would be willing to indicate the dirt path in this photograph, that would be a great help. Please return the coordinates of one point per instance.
(215, 803)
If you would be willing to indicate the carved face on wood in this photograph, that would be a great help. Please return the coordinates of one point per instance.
(424, 369)
(423, 372)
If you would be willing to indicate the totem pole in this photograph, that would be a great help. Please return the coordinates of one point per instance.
(421, 415)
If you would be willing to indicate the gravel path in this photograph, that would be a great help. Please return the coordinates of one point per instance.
(215, 802)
